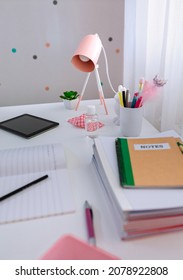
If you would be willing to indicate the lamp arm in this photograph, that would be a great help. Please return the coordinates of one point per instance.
(100, 90)
(83, 90)
(85, 84)
(107, 69)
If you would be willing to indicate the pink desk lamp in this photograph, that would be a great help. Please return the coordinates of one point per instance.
(85, 59)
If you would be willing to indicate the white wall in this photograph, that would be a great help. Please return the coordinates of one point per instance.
(38, 39)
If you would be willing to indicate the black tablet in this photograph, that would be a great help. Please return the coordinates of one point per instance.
(27, 125)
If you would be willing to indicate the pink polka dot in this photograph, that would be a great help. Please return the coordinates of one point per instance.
(47, 45)
(47, 88)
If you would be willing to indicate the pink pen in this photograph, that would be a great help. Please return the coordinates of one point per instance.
(89, 223)
(138, 102)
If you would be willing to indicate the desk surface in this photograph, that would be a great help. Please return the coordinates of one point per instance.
(30, 239)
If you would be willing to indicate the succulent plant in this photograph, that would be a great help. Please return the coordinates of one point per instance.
(69, 95)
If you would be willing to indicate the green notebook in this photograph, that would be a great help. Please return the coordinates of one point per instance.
(150, 162)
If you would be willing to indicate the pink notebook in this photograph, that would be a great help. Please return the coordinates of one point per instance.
(71, 248)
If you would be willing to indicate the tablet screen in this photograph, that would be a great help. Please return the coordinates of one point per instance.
(27, 125)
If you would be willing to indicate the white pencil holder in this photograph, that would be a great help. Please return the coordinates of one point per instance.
(131, 121)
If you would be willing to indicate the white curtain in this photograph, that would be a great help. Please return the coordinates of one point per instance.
(153, 44)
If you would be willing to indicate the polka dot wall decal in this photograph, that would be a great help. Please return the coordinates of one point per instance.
(55, 2)
(47, 88)
(47, 45)
(110, 39)
(13, 50)
(34, 56)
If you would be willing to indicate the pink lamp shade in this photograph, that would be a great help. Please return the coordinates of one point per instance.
(86, 56)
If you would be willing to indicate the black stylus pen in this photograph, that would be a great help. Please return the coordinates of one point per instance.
(23, 187)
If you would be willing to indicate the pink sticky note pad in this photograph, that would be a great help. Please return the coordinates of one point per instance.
(71, 248)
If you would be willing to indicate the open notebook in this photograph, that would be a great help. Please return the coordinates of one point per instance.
(50, 197)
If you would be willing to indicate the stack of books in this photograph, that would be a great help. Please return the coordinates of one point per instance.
(143, 181)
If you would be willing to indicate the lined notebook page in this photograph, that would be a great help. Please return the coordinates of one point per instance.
(50, 197)
(31, 159)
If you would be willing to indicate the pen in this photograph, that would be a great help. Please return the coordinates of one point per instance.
(89, 223)
(135, 97)
(138, 102)
(23, 187)
(120, 88)
(141, 84)
(180, 145)
(120, 99)
(124, 97)
(127, 97)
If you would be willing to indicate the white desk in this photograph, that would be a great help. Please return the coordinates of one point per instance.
(30, 239)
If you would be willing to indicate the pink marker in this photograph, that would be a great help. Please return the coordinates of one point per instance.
(138, 102)
(89, 223)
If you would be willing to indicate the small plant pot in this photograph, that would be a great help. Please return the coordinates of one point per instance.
(70, 104)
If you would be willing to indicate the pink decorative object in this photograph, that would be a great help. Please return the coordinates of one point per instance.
(152, 88)
(80, 122)
(71, 248)
(149, 91)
